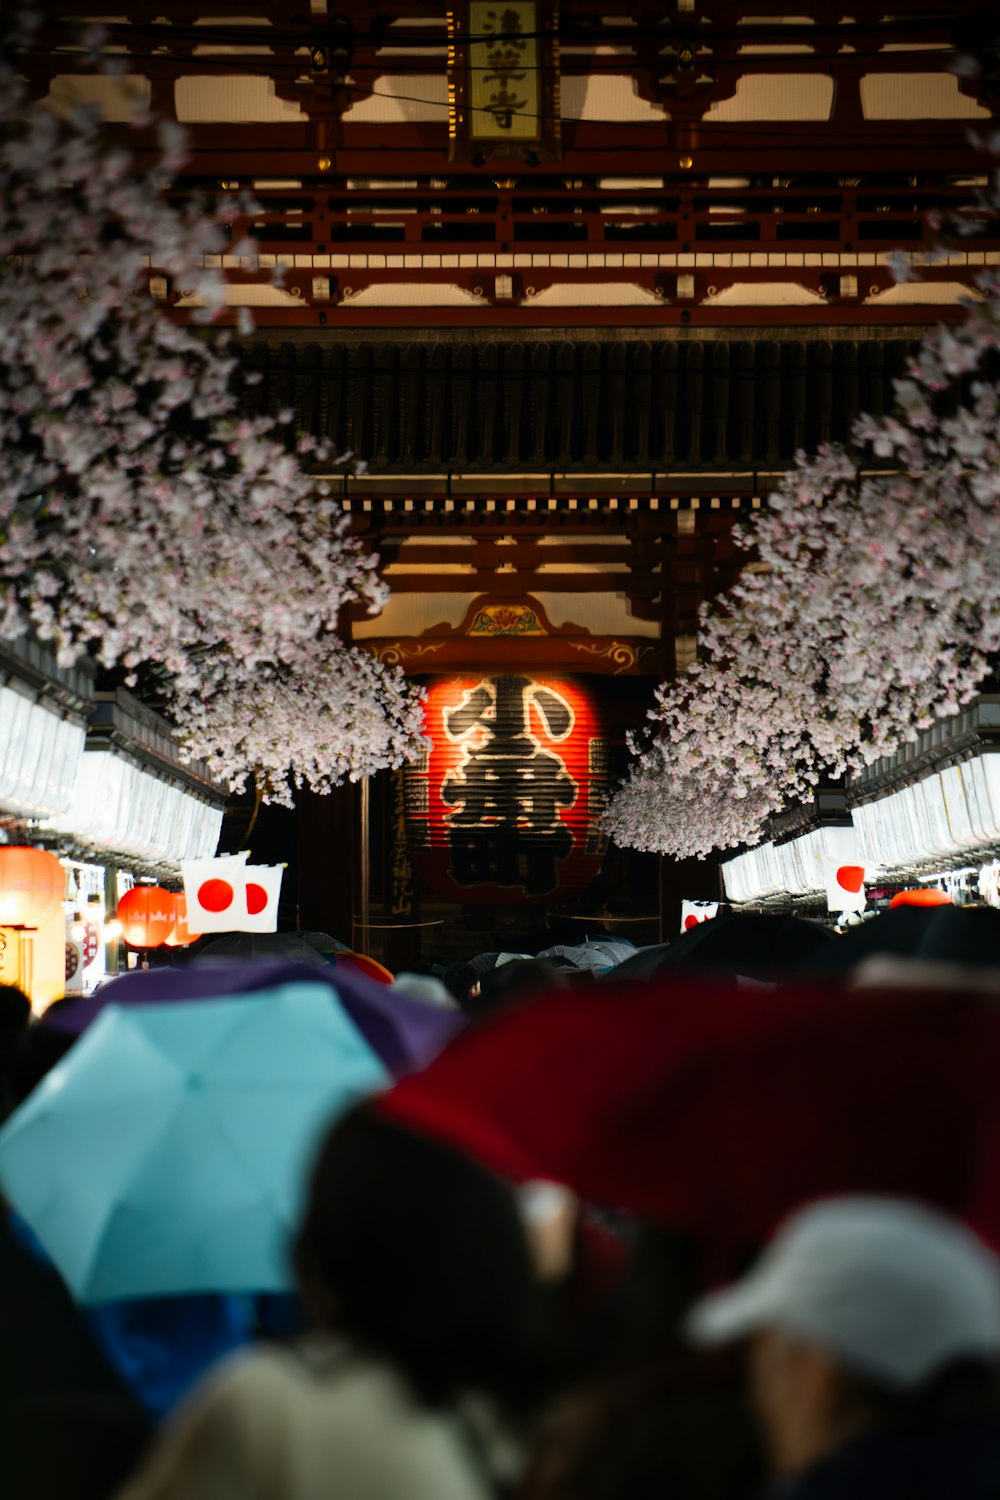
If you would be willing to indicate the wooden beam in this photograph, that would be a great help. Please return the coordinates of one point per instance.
(510, 585)
(490, 554)
(527, 318)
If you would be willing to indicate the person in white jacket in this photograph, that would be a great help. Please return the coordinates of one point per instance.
(415, 1266)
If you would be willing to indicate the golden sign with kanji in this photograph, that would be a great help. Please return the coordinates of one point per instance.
(503, 77)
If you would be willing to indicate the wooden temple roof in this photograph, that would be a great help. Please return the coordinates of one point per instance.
(573, 335)
(678, 165)
(578, 404)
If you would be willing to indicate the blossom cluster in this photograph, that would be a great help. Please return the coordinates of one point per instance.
(340, 718)
(873, 608)
(145, 519)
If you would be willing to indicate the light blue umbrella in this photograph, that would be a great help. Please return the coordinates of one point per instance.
(168, 1152)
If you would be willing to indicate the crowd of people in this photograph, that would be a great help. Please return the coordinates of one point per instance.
(477, 1313)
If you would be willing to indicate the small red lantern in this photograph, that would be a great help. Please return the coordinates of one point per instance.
(147, 913)
(180, 934)
(926, 896)
(32, 886)
(505, 806)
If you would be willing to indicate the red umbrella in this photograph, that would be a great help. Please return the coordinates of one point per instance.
(925, 896)
(717, 1109)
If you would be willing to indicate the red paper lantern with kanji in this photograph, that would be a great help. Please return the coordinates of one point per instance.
(147, 914)
(180, 935)
(32, 886)
(504, 806)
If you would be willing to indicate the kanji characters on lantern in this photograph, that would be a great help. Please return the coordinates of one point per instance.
(506, 801)
(506, 791)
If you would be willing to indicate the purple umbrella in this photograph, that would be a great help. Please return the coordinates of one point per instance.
(405, 1033)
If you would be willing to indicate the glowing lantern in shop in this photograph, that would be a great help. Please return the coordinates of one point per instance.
(147, 914)
(180, 934)
(504, 806)
(32, 886)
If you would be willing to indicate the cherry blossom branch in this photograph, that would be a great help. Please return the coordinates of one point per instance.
(874, 610)
(145, 519)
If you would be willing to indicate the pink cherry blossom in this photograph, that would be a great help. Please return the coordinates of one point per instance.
(145, 519)
(874, 610)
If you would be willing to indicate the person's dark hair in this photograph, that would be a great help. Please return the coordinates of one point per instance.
(458, 980)
(15, 1016)
(964, 1389)
(656, 1430)
(518, 979)
(34, 1052)
(15, 1010)
(421, 1255)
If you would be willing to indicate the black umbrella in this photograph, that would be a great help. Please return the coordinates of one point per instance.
(244, 945)
(324, 943)
(753, 943)
(945, 934)
(642, 964)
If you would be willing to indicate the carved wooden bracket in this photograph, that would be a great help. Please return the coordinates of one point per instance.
(516, 634)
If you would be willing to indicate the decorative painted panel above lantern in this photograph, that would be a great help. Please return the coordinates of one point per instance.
(503, 80)
(505, 804)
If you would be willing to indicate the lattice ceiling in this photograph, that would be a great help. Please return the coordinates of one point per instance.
(713, 163)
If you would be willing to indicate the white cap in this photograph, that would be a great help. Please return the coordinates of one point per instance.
(895, 1290)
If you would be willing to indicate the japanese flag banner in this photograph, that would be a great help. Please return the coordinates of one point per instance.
(260, 905)
(845, 885)
(229, 895)
(694, 912)
(216, 893)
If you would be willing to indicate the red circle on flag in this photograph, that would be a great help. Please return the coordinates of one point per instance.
(215, 895)
(690, 921)
(851, 877)
(256, 898)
